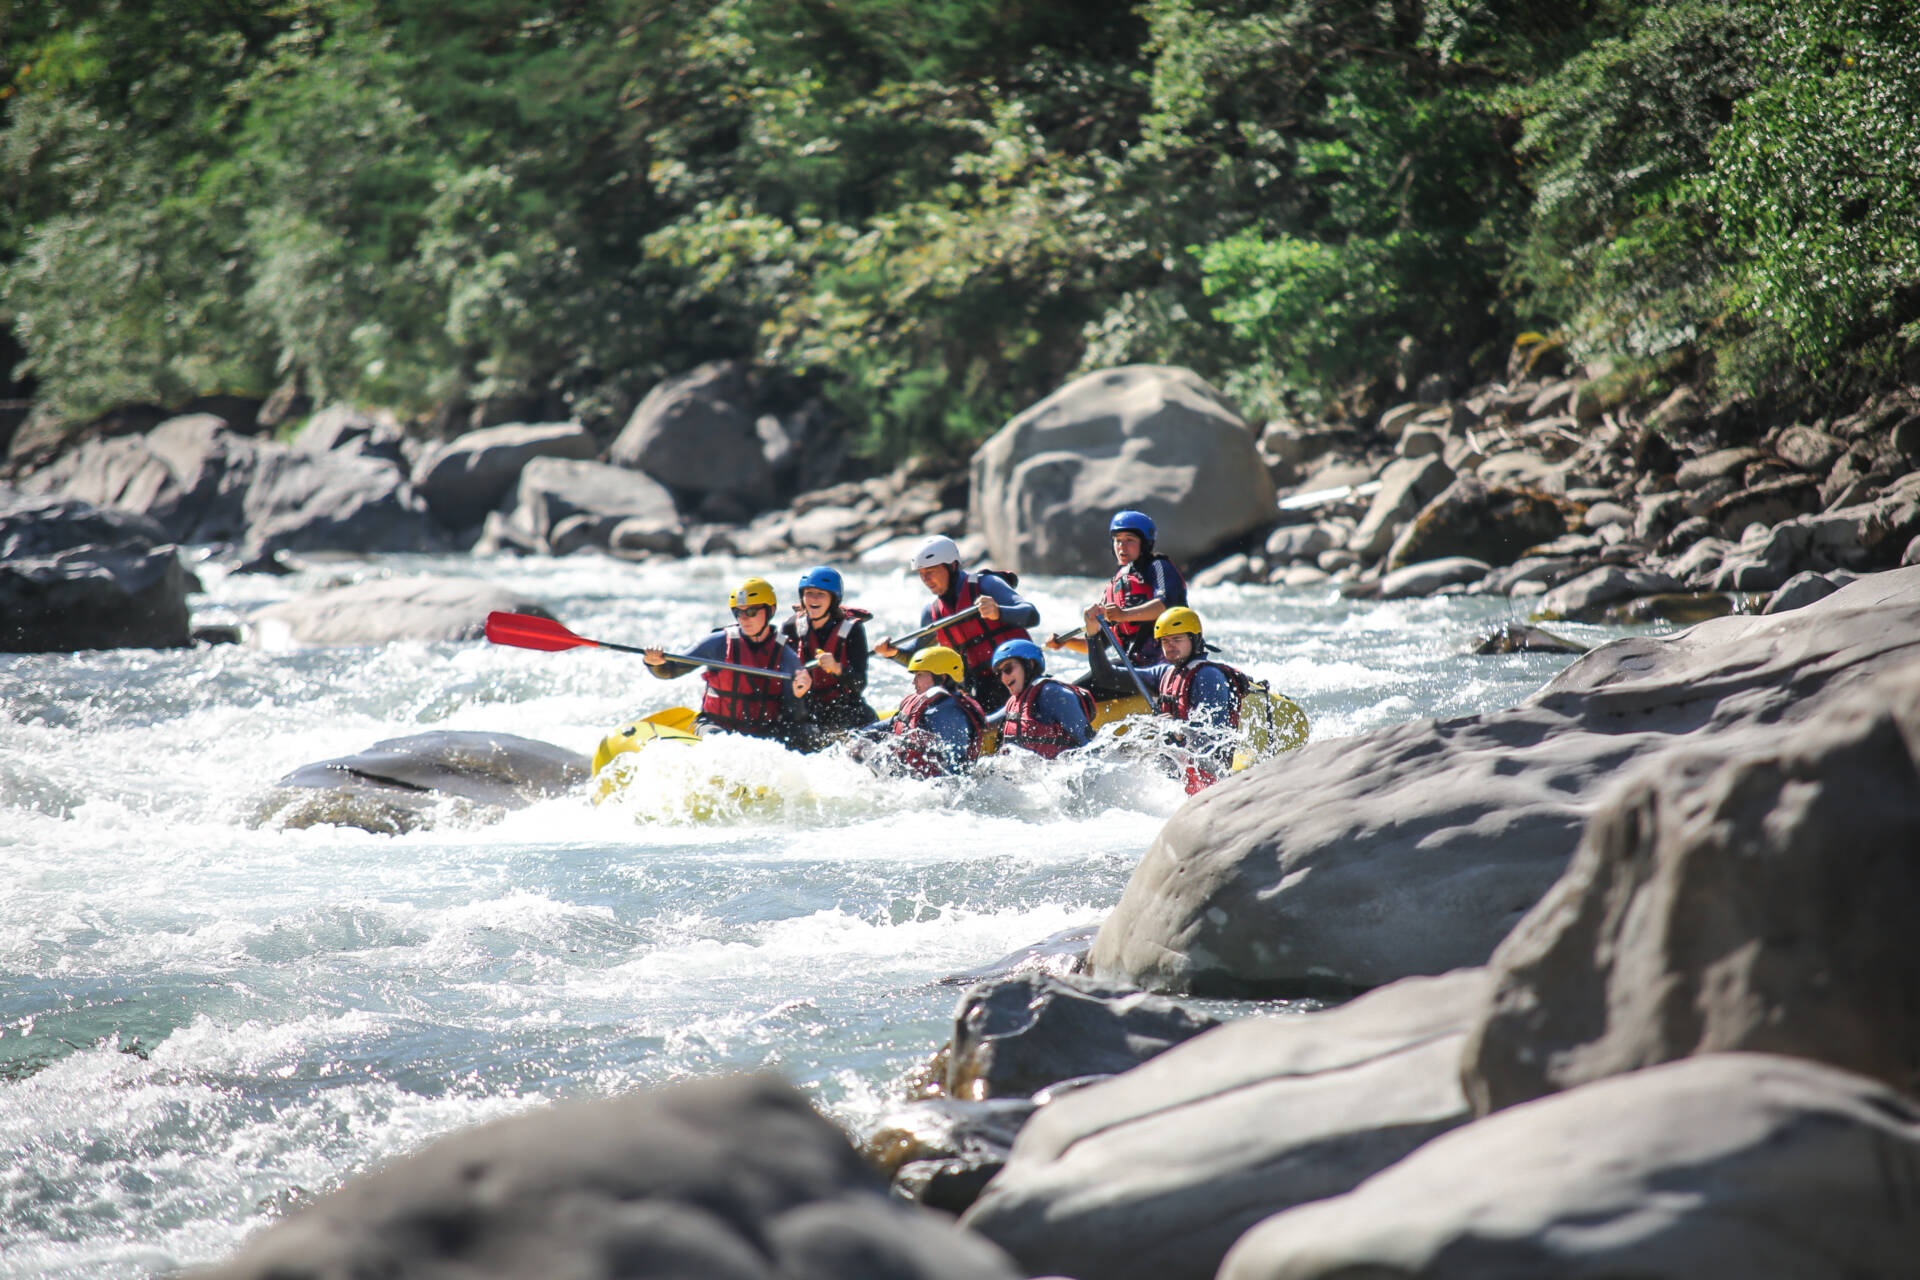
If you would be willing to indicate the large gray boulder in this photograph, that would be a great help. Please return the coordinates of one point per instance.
(205, 483)
(464, 478)
(1153, 1175)
(76, 576)
(404, 784)
(1151, 438)
(696, 433)
(561, 504)
(1729, 1164)
(1417, 848)
(1729, 898)
(385, 610)
(731, 1179)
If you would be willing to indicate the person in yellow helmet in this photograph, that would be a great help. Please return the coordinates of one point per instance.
(938, 727)
(1190, 687)
(769, 706)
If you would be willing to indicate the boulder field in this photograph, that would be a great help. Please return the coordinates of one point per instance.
(1415, 849)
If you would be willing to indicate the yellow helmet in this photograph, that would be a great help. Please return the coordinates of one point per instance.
(751, 593)
(941, 661)
(1178, 620)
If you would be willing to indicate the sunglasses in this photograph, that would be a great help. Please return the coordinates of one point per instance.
(750, 609)
(1008, 668)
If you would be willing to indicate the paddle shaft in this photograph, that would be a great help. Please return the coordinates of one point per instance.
(948, 621)
(1120, 649)
(529, 632)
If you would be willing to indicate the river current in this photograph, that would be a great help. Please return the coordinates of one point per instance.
(206, 1019)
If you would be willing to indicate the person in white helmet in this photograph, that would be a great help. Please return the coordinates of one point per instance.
(1004, 615)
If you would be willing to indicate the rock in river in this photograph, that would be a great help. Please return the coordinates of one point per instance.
(1416, 849)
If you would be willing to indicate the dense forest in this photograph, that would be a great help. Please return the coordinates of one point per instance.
(930, 212)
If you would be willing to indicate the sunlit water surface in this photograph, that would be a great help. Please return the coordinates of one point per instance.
(204, 1021)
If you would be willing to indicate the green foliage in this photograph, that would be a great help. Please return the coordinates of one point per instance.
(1816, 186)
(934, 211)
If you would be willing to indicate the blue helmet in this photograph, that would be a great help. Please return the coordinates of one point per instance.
(823, 578)
(1025, 650)
(1132, 522)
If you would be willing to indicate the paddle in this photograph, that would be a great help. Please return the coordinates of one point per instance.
(1073, 641)
(947, 621)
(1121, 649)
(529, 632)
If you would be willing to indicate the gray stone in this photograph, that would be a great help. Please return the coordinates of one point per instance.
(1730, 1164)
(1584, 597)
(1406, 486)
(1297, 542)
(1014, 1036)
(1809, 449)
(1428, 576)
(1721, 464)
(75, 576)
(1803, 589)
(464, 478)
(386, 610)
(1415, 849)
(697, 433)
(552, 491)
(1520, 469)
(1755, 891)
(1421, 442)
(1152, 1175)
(1155, 439)
(1602, 514)
(341, 428)
(1483, 522)
(301, 501)
(405, 784)
(730, 1179)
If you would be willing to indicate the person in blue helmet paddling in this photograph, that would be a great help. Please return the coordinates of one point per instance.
(1043, 715)
(767, 706)
(831, 639)
(1145, 585)
(1004, 615)
(1192, 688)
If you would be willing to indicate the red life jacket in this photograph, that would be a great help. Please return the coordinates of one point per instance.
(1130, 587)
(975, 639)
(1024, 728)
(915, 749)
(1176, 688)
(745, 701)
(809, 643)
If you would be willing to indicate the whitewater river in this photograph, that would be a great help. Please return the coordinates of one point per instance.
(206, 1019)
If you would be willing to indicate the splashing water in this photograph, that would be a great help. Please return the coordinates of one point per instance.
(206, 1021)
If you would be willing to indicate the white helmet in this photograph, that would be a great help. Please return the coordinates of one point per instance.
(936, 550)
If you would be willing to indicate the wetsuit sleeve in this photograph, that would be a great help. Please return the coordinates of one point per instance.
(948, 724)
(1212, 699)
(796, 708)
(1015, 610)
(854, 670)
(1060, 705)
(1168, 585)
(714, 646)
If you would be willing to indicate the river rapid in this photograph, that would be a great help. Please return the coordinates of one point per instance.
(206, 1018)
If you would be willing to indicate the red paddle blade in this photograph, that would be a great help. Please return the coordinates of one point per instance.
(529, 632)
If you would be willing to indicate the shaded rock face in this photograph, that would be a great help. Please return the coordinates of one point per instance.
(1761, 900)
(404, 784)
(1417, 848)
(1020, 1034)
(1145, 437)
(204, 483)
(732, 1179)
(697, 433)
(1153, 1175)
(941, 1152)
(595, 498)
(1732, 1164)
(385, 610)
(464, 478)
(1494, 523)
(76, 576)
